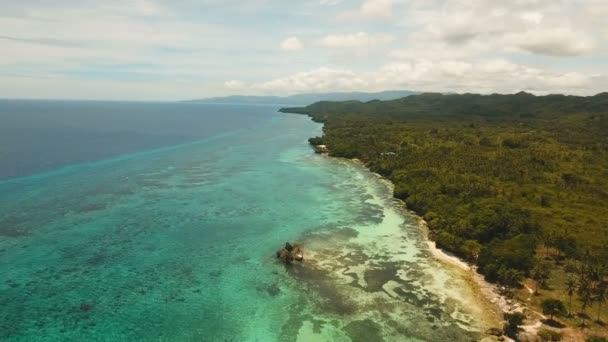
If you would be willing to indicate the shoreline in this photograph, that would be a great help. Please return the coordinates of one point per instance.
(488, 293)
(446, 257)
(503, 299)
(380, 271)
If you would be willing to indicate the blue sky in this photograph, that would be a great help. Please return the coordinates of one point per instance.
(168, 50)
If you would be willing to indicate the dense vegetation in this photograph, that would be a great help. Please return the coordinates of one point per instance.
(496, 177)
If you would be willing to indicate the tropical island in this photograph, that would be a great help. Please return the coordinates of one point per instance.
(515, 184)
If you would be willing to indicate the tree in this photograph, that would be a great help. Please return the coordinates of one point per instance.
(565, 244)
(509, 277)
(514, 320)
(585, 295)
(541, 273)
(499, 261)
(548, 240)
(316, 141)
(601, 294)
(553, 307)
(471, 249)
(571, 288)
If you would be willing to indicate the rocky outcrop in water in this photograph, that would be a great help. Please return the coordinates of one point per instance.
(290, 253)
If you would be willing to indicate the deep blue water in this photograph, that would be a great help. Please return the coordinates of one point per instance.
(37, 136)
(158, 222)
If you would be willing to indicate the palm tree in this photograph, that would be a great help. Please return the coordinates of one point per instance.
(548, 241)
(585, 295)
(601, 294)
(537, 274)
(571, 288)
(510, 278)
(540, 273)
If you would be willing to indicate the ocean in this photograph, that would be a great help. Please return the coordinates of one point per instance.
(160, 222)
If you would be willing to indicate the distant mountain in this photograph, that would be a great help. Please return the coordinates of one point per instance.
(306, 99)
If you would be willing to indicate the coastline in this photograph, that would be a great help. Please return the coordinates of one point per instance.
(489, 290)
(488, 293)
(373, 272)
(353, 130)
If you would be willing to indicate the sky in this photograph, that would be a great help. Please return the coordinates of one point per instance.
(185, 49)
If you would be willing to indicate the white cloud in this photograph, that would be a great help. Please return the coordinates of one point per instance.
(330, 2)
(455, 68)
(377, 8)
(532, 26)
(533, 17)
(322, 79)
(317, 80)
(498, 67)
(455, 45)
(234, 85)
(370, 9)
(552, 42)
(292, 44)
(484, 76)
(355, 40)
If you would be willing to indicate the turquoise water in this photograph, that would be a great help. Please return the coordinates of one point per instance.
(176, 244)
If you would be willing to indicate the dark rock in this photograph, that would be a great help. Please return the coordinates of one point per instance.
(289, 253)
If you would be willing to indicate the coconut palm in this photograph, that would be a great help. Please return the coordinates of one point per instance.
(601, 294)
(571, 288)
(585, 295)
(540, 273)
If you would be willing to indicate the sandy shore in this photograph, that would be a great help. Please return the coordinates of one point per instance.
(489, 291)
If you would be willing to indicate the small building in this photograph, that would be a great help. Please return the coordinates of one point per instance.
(321, 149)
